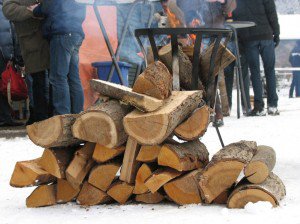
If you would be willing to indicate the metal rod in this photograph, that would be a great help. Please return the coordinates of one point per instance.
(220, 137)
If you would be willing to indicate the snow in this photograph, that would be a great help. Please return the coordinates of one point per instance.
(280, 132)
(289, 27)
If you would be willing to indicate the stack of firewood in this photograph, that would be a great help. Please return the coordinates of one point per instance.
(122, 149)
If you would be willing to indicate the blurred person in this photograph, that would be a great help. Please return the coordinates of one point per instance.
(35, 52)
(295, 62)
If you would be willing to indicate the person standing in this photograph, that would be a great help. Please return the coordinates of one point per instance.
(260, 40)
(63, 28)
(295, 62)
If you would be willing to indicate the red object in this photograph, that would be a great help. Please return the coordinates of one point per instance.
(13, 85)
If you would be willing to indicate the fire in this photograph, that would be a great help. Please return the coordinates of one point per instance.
(173, 21)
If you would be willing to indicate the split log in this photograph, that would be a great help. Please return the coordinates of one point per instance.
(103, 154)
(120, 191)
(155, 81)
(223, 94)
(30, 173)
(150, 198)
(161, 177)
(261, 165)
(53, 132)
(56, 161)
(142, 175)
(90, 195)
(80, 165)
(65, 192)
(148, 153)
(103, 175)
(271, 190)
(103, 124)
(155, 127)
(224, 169)
(126, 95)
(195, 126)
(184, 190)
(130, 165)
(42, 196)
(223, 197)
(185, 156)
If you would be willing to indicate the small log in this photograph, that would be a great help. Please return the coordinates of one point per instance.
(142, 175)
(150, 198)
(195, 126)
(103, 154)
(56, 161)
(224, 169)
(160, 177)
(65, 192)
(53, 132)
(120, 191)
(271, 190)
(155, 127)
(148, 154)
(42, 196)
(155, 81)
(130, 165)
(126, 95)
(103, 175)
(30, 173)
(260, 165)
(80, 165)
(90, 195)
(184, 190)
(103, 124)
(185, 156)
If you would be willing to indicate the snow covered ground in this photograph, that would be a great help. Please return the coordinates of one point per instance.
(281, 132)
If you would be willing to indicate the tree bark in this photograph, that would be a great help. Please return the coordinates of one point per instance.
(42, 196)
(103, 154)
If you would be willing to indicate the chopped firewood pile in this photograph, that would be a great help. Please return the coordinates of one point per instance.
(122, 149)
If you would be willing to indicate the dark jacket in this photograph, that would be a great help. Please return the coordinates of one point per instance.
(295, 56)
(263, 13)
(34, 48)
(61, 17)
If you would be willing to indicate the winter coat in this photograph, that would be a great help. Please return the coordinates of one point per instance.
(61, 17)
(295, 56)
(6, 38)
(263, 13)
(34, 48)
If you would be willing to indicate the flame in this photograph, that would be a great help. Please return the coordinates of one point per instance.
(195, 23)
(173, 21)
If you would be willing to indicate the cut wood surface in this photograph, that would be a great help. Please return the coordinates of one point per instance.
(260, 165)
(103, 124)
(184, 190)
(271, 190)
(103, 154)
(155, 81)
(223, 197)
(161, 177)
(130, 165)
(30, 173)
(185, 156)
(53, 132)
(103, 175)
(142, 175)
(148, 153)
(65, 192)
(150, 198)
(80, 165)
(155, 127)
(42, 196)
(120, 191)
(195, 126)
(125, 94)
(56, 161)
(90, 195)
(224, 169)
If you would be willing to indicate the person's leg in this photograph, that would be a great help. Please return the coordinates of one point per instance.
(229, 76)
(5, 115)
(293, 85)
(246, 81)
(297, 83)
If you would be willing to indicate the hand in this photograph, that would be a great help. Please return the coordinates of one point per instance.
(32, 7)
(276, 40)
(221, 1)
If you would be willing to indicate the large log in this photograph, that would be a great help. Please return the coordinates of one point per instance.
(102, 123)
(125, 94)
(103, 154)
(42, 196)
(65, 192)
(195, 126)
(148, 153)
(153, 128)
(260, 165)
(53, 132)
(185, 156)
(120, 191)
(224, 168)
(30, 173)
(142, 175)
(184, 190)
(150, 198)
(271, 190)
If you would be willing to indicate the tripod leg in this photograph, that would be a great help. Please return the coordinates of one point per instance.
(220, 137)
